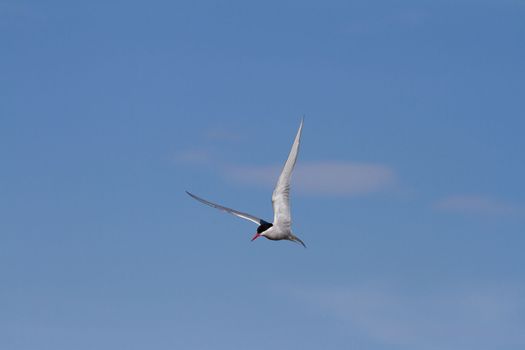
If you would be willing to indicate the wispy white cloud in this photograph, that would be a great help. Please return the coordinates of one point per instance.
(476, 205)
(321, 178)
(331, 178)
(480, 317)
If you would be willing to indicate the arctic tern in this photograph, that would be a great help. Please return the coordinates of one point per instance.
(281, 228)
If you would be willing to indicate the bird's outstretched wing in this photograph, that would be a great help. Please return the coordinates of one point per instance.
(281, 193)
(228, 210)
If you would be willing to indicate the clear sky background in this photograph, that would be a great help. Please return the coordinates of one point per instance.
(409, 190)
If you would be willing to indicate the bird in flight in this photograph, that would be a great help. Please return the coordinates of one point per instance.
(281, 228)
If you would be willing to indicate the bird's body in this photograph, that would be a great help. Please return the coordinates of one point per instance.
(276, 233)
(281, 228)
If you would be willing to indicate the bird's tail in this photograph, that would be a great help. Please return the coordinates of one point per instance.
(297, 240)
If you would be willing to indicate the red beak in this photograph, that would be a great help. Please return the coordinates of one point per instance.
(257, 235)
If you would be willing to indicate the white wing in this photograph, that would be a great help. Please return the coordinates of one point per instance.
(281, 193)
(228, 210)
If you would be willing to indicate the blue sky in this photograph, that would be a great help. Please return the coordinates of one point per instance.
(409, 188)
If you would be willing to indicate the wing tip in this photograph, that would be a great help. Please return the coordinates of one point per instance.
(192, 195)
